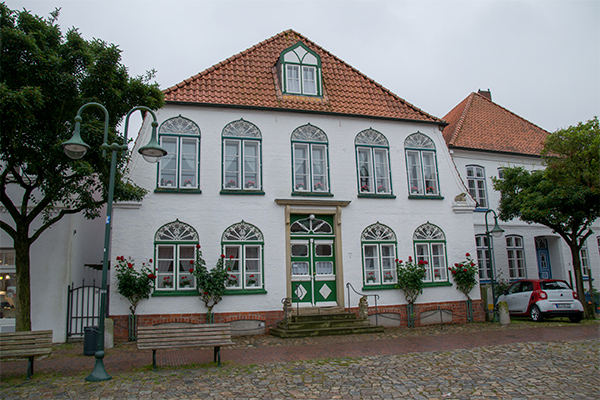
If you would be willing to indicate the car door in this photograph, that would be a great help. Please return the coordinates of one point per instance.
(511, 297)
(522, 298)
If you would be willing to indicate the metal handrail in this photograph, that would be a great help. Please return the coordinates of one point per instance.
(376, 296)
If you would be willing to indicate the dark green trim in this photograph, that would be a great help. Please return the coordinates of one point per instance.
(436, 284)
(380, 287)
(375, 196)
(243, 191)
(232, 292)
(425, 197)
(312, 194)
(287, 110)
(175, 293)
(176, 190)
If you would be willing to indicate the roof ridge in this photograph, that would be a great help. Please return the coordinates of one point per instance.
(511, 112)
(462, 118)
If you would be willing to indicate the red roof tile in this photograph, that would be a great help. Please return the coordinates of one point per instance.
(480, 124)
(250, 79)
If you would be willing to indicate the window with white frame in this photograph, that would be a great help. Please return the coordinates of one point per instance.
(242, 166)
(300, 71)
(175, 254)
(430, 246)
(476, 184)
(180, 167)
(421, 165)
(310, 160)
(484, 257)
(585, 261)
(373, 163)
(516, 257)
(379, 255)
(243, 249)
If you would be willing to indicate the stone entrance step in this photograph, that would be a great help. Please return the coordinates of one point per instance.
(323, 324)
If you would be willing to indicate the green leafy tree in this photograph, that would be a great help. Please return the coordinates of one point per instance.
(132, 284)
(46, 76)
(410, 278)
(465, 275)
(565, 196)
(211, 284)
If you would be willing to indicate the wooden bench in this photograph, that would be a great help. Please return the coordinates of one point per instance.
(168, 336)
(26, 344)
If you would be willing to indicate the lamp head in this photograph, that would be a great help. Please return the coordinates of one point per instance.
(152, 152)
(75, 147)
(496, 231)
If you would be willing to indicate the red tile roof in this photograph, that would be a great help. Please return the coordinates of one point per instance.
(480, 124)
(250, 79)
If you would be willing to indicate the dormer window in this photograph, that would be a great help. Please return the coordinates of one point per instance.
(300, 71)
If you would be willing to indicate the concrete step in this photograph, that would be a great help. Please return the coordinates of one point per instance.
(324, 331)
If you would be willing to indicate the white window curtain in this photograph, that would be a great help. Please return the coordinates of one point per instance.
(232, 165)
(293, 78)
(309, 80)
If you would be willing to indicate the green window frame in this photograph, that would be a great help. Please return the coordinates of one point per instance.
(174, 254)
(299, 70)
(310, 161)
(242, 158)
(373, 164)
(421, 166)
(243, 246)
(430, 245)
(180, 168)
(379, 254)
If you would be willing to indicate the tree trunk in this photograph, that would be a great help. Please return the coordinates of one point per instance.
(22, 247)
(578, 276)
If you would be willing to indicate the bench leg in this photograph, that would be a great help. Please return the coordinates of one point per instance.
(30, 367)
(154, 359)
(217, 355)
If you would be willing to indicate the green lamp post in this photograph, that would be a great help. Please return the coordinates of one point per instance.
(495, 232)
(76, 148)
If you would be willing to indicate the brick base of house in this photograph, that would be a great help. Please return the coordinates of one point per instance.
(454, 312)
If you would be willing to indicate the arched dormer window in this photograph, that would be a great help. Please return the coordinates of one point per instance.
(180, 136)
(242, 157)
(300, 71)
(373, 163)
(421, 165)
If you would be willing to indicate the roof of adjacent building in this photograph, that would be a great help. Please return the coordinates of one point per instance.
(250, 79)
(478, 123)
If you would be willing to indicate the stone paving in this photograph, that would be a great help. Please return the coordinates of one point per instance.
(541, 367)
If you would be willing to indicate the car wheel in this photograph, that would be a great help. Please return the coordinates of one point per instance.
(535, 314)
(575, 319)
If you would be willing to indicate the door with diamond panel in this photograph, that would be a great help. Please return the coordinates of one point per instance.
(313, 263)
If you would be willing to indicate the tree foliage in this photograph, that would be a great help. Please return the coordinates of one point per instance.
(565, 196)
(410, 278)
(211, 284)
(465, 275)
(132, 284)
(46, 76)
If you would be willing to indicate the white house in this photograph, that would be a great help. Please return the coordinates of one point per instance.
(308, 175)
(483, 138)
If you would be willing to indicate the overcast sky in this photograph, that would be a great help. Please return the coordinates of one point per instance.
(540, 59)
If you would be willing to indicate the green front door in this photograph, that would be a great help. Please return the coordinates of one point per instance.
(313, 262)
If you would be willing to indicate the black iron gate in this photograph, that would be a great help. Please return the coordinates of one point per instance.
(83, 308)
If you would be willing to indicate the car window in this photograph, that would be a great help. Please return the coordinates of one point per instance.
(527, 287)
(515, 288)
(556, 285)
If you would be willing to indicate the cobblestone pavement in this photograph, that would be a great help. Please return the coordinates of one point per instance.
(546, 362)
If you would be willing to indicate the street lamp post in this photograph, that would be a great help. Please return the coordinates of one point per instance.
(76, 148)
(495, 232)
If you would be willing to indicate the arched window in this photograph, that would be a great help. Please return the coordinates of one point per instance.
(379, 255)
(175, 253)
(300, 71)
(242, 244)
(310, 159)
(373, 163)
(180, 167)
(430, 246)
(421, 164)
(242, 166)
(476, 184)
(516, 257)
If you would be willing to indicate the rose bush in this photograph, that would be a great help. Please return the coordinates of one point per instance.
(132, 284)
(410, 278)
(465, 275)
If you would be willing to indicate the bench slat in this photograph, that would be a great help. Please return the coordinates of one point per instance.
(205, 335)
(25, 344)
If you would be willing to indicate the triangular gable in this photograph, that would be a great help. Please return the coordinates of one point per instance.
(249, 79)
(478, 123)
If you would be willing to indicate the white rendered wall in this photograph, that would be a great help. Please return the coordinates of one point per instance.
(210, 213)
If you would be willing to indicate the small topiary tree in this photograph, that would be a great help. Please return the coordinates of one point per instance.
(410, 281)
(465, 277)
(132, 284)
(211, 284)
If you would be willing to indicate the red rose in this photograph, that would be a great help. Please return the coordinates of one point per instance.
(453, 272)
(130, 265)
(465, 270)
(152, 276)
(222, 255)
(197, 246)
(409, 259)
(191, 270)
(397, 260)
(231, 256)
(192, 262)
(150, 260)
(205, 292)
(400, 261)
(468, 255)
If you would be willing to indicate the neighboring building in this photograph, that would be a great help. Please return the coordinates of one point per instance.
(483, 138)
(308, 175)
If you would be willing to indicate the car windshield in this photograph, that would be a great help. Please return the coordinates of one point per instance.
(556, 285)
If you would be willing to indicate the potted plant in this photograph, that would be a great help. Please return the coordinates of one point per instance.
(381, 188)
(410, 277)
(465, 276)
(231, 184)
(250, 185)
(370, 277)
(319, 186)
(251, 281)
(169, 183)
(187, 183)
(167, 282)
(300, 186)
(365, 188)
